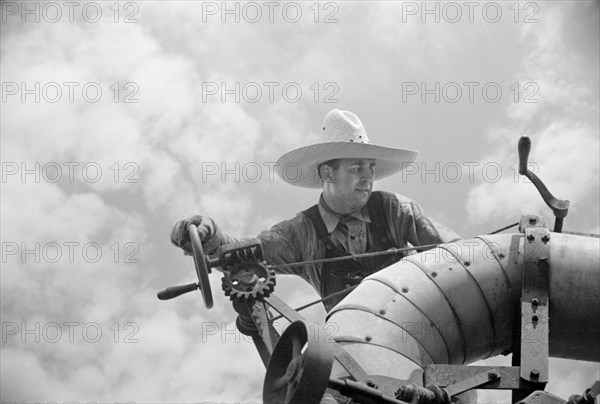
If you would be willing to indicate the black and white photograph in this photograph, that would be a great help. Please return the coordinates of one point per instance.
(300, 202)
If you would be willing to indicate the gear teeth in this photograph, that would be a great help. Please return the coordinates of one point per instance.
(248, 292)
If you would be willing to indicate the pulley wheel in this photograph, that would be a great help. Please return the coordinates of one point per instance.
(299, 368)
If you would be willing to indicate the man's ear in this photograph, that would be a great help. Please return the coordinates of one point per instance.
(327, 173)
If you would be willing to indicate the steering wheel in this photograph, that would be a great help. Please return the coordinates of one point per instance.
(202, 266)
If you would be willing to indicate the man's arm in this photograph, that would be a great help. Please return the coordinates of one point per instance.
(411, 224)
(286, 242)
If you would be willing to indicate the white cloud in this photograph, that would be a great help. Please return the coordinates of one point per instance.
(561, 126)
(171, 131)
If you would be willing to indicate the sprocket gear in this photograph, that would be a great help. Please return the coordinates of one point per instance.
(248, 281)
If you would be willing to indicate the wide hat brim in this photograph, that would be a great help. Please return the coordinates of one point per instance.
(300, 167)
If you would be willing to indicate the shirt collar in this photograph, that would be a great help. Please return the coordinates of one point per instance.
(332, 218)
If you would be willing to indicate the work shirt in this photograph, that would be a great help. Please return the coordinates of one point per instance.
(347, 232)
(296, 240)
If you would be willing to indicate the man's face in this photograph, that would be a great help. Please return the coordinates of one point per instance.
(350, 187)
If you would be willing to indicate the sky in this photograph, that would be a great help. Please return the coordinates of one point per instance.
(117, 118)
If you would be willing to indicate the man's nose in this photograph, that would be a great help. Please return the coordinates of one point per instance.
(367, 174)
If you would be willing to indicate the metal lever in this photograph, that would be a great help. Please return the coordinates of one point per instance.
(559, 207)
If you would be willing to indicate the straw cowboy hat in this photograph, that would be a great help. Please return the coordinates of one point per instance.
(343, 136)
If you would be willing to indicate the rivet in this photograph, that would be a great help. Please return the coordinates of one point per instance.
(535, 317)
(493, 374)
(545, 238)
(501, 255)
(532, 220)
(371, 384)
(535, 301)
(433, 274)
(404, 290)
(530, 237)
(467, 263)
(382, 312)
(534, 372)
(368, 338)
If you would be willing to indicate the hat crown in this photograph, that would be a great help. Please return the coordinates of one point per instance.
(343, 126)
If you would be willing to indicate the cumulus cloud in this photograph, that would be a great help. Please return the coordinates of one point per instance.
(176, 351)
(561, 126)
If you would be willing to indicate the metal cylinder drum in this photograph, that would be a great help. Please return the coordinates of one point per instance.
(459, 303)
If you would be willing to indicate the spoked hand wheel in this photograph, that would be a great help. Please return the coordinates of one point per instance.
(202, 266)
(299, 369)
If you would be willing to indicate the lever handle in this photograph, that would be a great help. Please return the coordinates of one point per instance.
(174, 291)
(558, 206)
(524, 149)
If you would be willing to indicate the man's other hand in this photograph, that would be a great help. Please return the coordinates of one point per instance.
(180, 236)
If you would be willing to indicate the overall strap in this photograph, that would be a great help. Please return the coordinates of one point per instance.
(314, 216)
(379, 226)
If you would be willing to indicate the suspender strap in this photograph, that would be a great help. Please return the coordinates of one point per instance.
(315, 218)
(377, 211)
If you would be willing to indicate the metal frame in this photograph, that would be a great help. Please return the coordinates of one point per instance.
(529, 372)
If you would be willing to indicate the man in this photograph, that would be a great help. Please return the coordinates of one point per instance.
(349, 218)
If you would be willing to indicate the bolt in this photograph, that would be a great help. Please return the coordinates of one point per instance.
(545, 238)
(535, 317)
(530, 237)
(535, 373)
(493, 374)
(372, 384)
(535, 301)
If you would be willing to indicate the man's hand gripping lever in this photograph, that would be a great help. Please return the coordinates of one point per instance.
(203, 265)
(180, 234)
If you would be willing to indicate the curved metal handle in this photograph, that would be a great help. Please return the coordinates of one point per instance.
(524, 149)
(559, 207)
